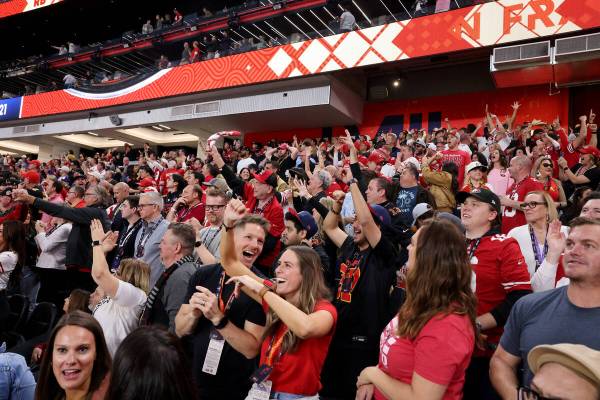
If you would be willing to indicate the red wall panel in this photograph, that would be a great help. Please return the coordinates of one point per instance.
(460, 109)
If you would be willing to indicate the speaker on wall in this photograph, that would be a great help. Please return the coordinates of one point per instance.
(115, 120)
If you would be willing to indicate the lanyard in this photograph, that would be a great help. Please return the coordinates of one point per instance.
(54, 228)
(222, 306)
(274, 352)
(146, 233)
(186, 212)
(260, 210)
(539, 258)
(472, 248)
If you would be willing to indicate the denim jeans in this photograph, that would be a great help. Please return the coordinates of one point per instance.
(291, 396)
(16, 380)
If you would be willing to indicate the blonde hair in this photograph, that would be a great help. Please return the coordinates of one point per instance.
(135, 272)
(552, 213)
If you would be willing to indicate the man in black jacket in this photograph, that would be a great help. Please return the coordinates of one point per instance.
(79, 243)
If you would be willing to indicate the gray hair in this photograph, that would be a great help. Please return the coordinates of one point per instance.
(155, 198)
(185, 235)
(104, 197)
(325, 177)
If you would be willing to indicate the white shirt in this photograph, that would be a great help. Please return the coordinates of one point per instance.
(8, 262)
(53, 247)
(119, 316)
(347, 20)
(544, 277)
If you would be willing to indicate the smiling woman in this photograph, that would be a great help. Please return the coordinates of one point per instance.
(78, 361)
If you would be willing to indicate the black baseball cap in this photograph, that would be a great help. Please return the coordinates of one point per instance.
(487, 196)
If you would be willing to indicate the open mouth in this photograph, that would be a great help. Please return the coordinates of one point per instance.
(279, 280)
(71, 374)
(249, 254)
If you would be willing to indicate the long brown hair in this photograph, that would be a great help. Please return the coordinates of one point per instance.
(440, 280)
(312, 289)
(47, 386)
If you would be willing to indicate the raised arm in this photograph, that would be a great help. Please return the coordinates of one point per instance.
(304, 325)
(100, 271)
(331, 225)
(515, 106)
(364, 217)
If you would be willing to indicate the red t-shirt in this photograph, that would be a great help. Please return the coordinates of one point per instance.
(569, 153)
(300, 372)
(499, 268)
(512, 217)
(467, 188)
(440, 353)
(186, 213)
(460, 158)
(551, 187)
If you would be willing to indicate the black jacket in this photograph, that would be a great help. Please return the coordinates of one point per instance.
(79, 243)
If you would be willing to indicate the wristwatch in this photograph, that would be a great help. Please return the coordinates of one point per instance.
(268, 286)
(96, 243)
(351, 181)
(222, 323)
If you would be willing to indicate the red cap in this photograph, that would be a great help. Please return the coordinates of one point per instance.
(376, 157)
(146, 182)
(37, 163)
(31, 176)
(363, 160)
(267, 178)
(590, 150)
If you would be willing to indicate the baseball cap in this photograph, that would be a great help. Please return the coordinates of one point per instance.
(452, 218)
(146, 182)
(420, 142)
(590, 150)
(31, 176)
(37, 163)
(6, 192)
(217, 183)
(95, 175)
(267, 178)
(380, 215)
(484, 195)
(306, 220)
(419, 210)
(473, 165)
(376, 157)
(576, 357)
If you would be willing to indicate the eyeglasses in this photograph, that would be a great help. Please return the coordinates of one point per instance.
(532, 204)
(547, 165)
(90, 194)
(526, 393)
(214, 207)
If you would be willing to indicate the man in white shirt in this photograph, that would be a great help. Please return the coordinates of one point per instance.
(347, 21)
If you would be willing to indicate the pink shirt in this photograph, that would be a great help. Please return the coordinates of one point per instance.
(500, 181)
(440, 353)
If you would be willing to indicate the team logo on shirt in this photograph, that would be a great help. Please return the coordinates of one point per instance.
(349, 278)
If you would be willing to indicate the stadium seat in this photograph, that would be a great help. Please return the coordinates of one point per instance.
(19, 307)
(41, 321)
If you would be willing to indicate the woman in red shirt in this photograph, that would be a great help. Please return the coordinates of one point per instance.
(542, 171)
(300, 318)
(426, 349)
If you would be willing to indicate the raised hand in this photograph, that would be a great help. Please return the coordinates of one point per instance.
(557, 241)
(515, 105)
(234, 211)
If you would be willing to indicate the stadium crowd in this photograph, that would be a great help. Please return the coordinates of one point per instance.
(412, 265)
